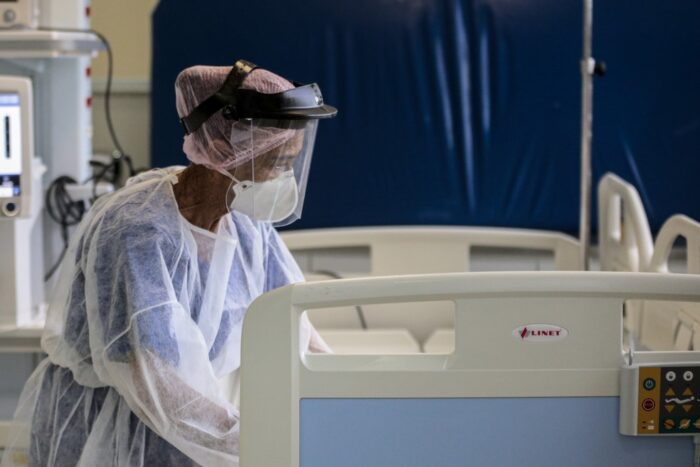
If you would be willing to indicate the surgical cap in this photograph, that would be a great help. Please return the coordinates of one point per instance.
(221, 144)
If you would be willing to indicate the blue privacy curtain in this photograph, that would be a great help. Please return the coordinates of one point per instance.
(460, 112)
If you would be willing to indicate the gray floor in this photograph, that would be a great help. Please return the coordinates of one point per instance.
(14, 371)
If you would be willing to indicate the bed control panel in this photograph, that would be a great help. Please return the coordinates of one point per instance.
(660, 400)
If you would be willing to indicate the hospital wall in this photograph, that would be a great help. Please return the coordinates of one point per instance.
(127, 24)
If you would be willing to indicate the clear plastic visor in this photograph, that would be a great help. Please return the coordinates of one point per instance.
(271, 185)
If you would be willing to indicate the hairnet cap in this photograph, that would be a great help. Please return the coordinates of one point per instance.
(222, 144)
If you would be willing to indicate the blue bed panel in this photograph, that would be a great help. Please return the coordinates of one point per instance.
(504, 432)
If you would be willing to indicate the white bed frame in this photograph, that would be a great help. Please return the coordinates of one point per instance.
(625, 243)
(488, 361)
(422, 250)
(624, 237)
(672, 326)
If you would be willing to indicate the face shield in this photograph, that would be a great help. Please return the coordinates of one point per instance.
(271, 186)
(274, 134)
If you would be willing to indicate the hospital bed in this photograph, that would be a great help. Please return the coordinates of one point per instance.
(537, 378)
(672, 326)
(626, 244)
(381, 251)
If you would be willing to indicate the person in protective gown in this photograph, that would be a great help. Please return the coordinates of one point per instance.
(147, 314)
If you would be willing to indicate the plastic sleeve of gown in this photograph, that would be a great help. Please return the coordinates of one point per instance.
(145, 345)
(282, 269)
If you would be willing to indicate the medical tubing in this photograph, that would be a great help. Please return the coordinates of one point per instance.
(63, 210)
(358, 308)
(108, 94)
(108, 88)
(67, 212)
(101, 175)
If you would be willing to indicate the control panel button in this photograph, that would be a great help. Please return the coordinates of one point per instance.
(684, 424)
(648, 404)
(649, 384)
(669, 424)
(10, 209)
(688, 375)
(670, 376)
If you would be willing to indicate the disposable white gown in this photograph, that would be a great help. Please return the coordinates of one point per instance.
(146, 318)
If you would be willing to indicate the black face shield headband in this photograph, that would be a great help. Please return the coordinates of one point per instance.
(286, 109)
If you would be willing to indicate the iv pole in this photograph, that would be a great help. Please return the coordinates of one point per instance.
(589, 68)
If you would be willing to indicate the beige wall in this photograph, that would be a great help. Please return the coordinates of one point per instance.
(127, 25)
(131, 114)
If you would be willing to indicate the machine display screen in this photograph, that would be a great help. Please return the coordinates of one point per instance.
(10, 145)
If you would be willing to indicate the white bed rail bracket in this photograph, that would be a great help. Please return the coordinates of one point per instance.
(624, 238)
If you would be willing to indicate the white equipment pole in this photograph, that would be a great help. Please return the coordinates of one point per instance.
(588, 68)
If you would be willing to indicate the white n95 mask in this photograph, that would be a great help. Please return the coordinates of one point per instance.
(271, 201)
